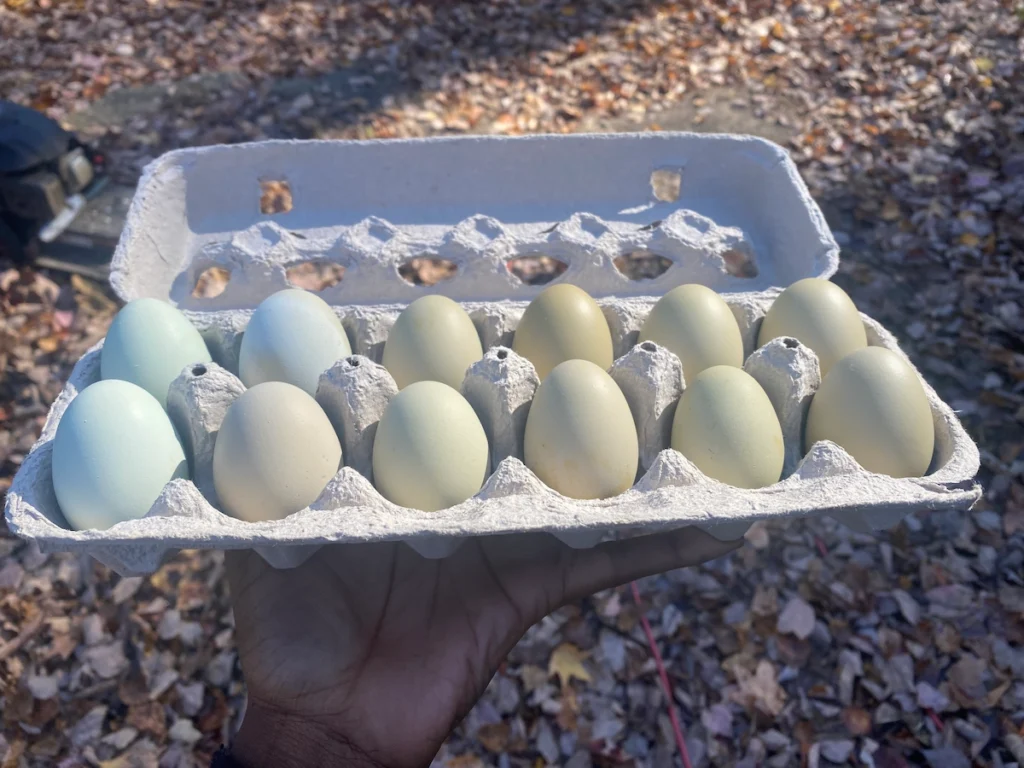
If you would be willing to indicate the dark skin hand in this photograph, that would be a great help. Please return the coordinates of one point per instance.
(369, 654)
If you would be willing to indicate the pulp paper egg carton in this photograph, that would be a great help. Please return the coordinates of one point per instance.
(730, 212)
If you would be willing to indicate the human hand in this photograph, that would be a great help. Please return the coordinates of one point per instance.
(369, 654)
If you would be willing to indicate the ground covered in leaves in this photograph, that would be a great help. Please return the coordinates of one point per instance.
(810, 646)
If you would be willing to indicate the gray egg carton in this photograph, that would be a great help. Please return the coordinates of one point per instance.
(729, 212)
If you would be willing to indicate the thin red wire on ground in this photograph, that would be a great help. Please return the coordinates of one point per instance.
(677, 729)
(821, 546)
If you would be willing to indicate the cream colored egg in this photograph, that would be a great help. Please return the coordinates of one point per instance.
(697, 325)
(726, 425)
(872, 404)
(275, 453)
(432, 340)
(430, 451)
(563, 323)
(819, 315)
(580, 435)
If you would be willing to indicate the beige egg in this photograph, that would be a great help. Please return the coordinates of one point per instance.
(580, 435)
(726, 425)
(563, 323)
(275, 452)
(696, 324)
(432, 340)
(819, 315)
(872, 404)
(430, 451)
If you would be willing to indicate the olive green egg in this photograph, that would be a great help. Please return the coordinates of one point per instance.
(726, 425)
(580, 435)
(275, 452)
(873, 404)
(563, 323)
(695, 323)
(430, 451)
(820, 316)
(433, 339)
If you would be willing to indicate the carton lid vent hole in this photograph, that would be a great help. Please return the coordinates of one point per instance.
(212, 282)
(536, 268)
(427, 270)
(642, 265)
(275, 196)
(315, 275)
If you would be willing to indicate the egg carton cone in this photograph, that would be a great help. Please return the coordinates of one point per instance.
(730, 212)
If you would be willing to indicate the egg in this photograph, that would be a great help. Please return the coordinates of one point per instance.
(563, 323)
(580, 436)
(114, 451)
(726, 425)
(696, 324)
(432, 340)
(149, 343)
(275, 452)
(430, 451)
(293, 336)
(819, 315)
(872, 404)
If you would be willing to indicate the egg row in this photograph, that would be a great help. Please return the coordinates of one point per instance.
(276, 448)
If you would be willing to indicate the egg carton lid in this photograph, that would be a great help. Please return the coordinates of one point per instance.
(477, 198)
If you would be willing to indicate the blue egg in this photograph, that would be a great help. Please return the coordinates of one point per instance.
(149, 344)
(114, 451)
(293, 336)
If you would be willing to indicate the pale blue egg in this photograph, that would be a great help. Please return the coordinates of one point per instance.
(149, 344)
(114, 451)
(293, 336)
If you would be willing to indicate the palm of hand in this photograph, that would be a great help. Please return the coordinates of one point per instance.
(380, 652)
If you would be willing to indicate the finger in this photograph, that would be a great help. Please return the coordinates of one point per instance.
(616, 562)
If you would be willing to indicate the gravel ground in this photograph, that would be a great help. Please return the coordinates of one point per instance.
(811, 646)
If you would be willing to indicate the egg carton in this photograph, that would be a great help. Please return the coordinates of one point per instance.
(727, 211)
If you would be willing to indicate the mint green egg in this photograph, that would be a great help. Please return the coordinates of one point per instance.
(293, 336)
(149, 344)
(114, 451)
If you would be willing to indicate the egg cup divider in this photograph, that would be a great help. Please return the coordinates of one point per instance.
(772, 213)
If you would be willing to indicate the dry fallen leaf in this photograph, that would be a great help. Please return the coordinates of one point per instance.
(493, 737)
(761, 689)
(891, 210)
(857, 721)
(567, 663)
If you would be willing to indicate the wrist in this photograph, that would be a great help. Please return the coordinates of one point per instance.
(270, 737)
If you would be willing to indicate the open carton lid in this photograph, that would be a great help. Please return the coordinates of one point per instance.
(703, 201)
